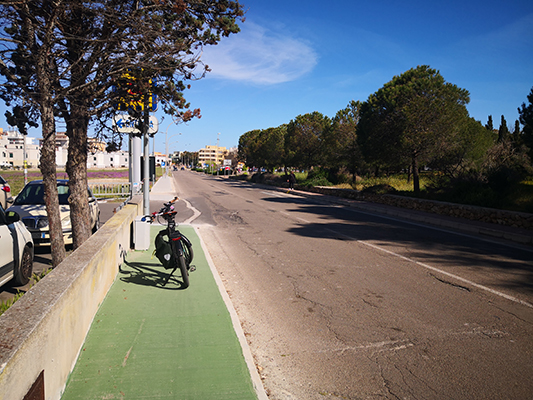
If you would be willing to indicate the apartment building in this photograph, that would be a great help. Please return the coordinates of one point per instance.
(101, 160)
(212, 154)
(12, 145)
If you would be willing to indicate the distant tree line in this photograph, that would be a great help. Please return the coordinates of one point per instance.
(416, 121)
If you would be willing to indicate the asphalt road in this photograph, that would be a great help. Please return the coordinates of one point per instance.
(342, 304)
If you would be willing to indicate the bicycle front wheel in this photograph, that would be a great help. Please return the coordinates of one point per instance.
(184, 271)
(187, 249)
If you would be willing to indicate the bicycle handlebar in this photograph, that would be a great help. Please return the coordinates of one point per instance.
(166, 210)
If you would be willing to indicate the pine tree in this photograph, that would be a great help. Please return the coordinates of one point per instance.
(489, 125)
(503, 132)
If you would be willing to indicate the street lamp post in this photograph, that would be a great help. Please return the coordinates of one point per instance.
(216, 154)
(166, 144)
(25, 163)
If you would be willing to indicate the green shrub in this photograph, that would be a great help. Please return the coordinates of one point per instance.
(317, 177)
(4, 305)
(380, 189)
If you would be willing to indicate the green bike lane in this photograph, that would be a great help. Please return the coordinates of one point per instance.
(149, 341)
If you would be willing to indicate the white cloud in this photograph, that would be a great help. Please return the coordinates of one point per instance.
(261, 56)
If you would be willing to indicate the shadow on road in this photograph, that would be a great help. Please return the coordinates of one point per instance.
(423, 242)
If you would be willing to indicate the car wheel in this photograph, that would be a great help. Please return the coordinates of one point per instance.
(25, 268)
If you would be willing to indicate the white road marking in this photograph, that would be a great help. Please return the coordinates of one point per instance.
(440, 229)
(292, 216)
(434, 269)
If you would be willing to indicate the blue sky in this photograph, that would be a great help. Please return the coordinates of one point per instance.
(295, 57)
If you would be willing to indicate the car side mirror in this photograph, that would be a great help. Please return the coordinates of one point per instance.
(12, 217)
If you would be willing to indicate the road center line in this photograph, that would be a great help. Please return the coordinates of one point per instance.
(434, 269)
(298, 218)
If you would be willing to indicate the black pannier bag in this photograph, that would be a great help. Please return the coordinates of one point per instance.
(163, 251)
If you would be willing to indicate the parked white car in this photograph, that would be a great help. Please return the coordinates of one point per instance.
(16, 249)
(29, 204)
(6, 199)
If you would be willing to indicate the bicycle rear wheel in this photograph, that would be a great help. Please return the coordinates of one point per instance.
(184, 271)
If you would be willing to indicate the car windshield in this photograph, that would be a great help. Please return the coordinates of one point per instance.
(34, 194)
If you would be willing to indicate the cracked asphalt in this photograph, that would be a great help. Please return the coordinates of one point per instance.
(338, 303)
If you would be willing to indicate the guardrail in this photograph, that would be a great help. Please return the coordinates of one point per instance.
(106, 189)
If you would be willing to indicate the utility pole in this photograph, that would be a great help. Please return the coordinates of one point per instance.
(146, 166)
(216, 154)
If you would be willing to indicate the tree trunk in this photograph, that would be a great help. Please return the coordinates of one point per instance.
(47, 160)
(77, 173)
(44, 96)
(51, 198)
(416, 178)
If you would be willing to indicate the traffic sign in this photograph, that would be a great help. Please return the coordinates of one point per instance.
(137, 105)
(124, 123)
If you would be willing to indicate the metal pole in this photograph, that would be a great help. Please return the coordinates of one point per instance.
(166, 146)
(216, 155)
(146, 166)
(130, 164)
(25, 162)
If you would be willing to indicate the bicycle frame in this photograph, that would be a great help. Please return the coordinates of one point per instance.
(180, 245)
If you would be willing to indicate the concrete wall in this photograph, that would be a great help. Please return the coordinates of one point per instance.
(46, 328)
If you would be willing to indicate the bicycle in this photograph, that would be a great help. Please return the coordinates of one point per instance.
(176, 251)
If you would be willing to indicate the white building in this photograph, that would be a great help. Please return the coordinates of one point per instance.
(101, 160)
(212, 154)
(160, 158)
(12, 150)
